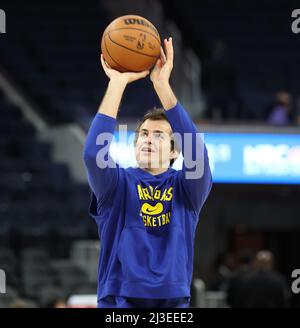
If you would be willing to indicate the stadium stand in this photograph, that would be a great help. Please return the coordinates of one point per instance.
(42, 211)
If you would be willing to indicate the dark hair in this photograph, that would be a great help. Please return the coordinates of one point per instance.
(154, 114)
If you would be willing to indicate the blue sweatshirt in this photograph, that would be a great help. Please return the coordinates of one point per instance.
(146, 222)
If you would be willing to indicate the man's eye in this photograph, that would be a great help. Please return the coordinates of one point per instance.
(159, 135)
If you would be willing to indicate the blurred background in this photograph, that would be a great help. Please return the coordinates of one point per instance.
(237, 73)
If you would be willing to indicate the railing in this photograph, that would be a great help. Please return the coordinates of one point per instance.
(207, 299)
(85, 254)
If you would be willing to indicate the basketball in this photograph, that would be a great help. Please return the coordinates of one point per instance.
(130, 44)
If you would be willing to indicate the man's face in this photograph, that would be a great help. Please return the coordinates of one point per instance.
(153, 146)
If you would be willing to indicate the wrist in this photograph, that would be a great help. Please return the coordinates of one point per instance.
(161, 85)
(166, 95)
(120, 82)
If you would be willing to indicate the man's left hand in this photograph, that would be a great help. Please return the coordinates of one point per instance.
(164, 65)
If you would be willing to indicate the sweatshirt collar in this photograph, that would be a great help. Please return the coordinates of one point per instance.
(144, 174)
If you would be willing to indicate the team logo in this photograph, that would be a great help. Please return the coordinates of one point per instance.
(151, 210)
(141, 41)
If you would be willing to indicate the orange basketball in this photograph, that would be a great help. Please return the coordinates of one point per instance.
(130, 44)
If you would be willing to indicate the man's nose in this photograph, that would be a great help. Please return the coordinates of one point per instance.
(149, 138)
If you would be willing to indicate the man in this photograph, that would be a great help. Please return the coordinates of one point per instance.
(245, 261)
(263, 287)
(146, 216)
(281, 113)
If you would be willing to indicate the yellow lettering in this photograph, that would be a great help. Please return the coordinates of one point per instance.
(154, 221)
(151, 191)
(157, 194)
(158, 218)
(168, 218)
(169, 197)
(164, 195)
(140, 192)
(149, 221)
(146, 194)
(144, 219)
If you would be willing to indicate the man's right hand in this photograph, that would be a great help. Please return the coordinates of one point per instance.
(116, 86)
(126, 77)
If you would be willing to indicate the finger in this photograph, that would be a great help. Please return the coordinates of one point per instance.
(104, 62)
(158, 63)
(169, 50)
(137, 76)
(162, 55)
(143, 74)
(107, 64)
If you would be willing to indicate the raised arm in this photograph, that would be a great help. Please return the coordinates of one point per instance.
(195, 175)
(117, 84)
(103, 173)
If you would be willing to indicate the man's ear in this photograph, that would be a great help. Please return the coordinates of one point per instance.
(174, 154)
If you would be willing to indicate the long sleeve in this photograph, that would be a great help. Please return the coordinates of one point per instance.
(195, 175)
(102, 171)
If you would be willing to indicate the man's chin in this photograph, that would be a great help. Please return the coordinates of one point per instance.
(150, 165)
